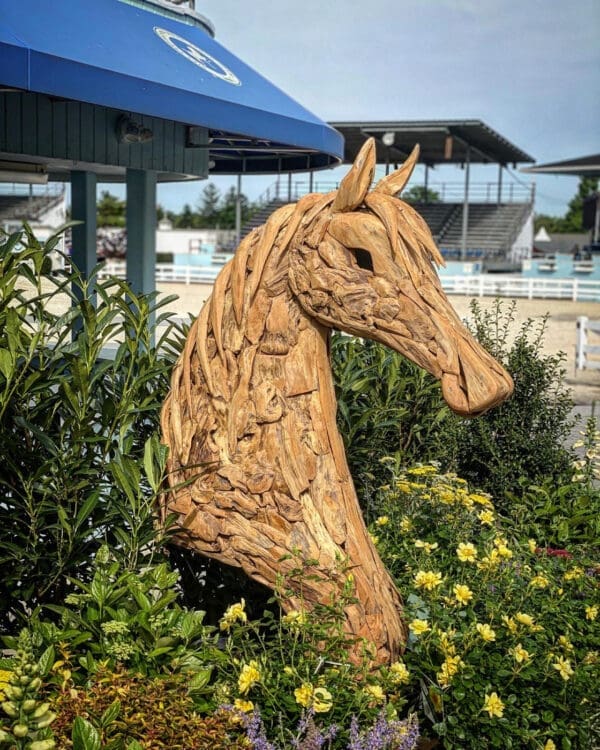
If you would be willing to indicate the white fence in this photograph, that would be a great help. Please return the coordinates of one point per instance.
(585, 352)
(499, 285)
(484, 285)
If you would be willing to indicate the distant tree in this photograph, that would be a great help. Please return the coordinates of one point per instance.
(574, 216)
(227, 212)
(187, 219)
(572, 221)
(420, 194)
(110, 211)
(209, 205)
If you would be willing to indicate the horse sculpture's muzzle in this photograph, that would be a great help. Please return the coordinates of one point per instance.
(480, 384)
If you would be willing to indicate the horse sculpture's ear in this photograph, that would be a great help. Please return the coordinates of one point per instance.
(394, 183)
(356, 183)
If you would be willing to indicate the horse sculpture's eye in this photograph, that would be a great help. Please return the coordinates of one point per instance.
(364, 260)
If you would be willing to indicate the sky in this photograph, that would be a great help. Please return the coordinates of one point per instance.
(530, 69)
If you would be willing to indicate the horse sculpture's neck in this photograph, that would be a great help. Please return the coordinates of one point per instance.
(257, 427)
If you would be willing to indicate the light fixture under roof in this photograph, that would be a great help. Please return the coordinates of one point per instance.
(28, 173)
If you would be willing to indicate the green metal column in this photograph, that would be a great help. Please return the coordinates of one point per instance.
(141, 230)
(83, 208)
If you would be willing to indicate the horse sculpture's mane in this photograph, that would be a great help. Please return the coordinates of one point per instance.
(257, 465)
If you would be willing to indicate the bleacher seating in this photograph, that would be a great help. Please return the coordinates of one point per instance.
(492, 228)
(24, 207)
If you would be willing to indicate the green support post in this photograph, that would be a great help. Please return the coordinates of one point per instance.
(83, 209)
(141, 230)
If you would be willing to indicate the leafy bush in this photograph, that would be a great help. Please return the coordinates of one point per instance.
(387, 405)
(78, 463)
(522, 441)
(503, 648)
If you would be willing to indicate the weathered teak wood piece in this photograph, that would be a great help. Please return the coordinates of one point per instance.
(251, 412)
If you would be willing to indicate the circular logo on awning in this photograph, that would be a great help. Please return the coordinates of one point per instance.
(198, 56)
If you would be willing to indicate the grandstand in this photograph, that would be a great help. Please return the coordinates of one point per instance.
(490, 221)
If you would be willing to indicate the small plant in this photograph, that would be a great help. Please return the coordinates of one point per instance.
(24, 718)
(128, 619)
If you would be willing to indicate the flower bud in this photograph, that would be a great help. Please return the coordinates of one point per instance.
(46, 720)
(20, 730)
(4, 736)
(24, 679)
(35, 683)
(42, 745)
(29, 705)
(41, 710)
(10, 709)
(11, 691)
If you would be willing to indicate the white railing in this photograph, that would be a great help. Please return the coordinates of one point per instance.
(584, 351)
(495, 285)
(484, 285)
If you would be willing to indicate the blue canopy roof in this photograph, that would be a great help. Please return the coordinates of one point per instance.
(117, 54)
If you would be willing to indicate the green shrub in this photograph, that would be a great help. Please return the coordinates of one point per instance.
(80, 462)
(387, 405)
(503, 650)
(522, 441)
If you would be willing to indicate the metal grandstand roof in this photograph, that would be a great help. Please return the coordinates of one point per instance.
(441, 141)
(582, 166)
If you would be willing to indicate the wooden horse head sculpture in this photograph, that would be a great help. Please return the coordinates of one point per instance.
(251, 416)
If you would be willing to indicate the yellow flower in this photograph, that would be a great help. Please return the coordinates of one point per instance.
(510, 623)
(249, 676)
(525, 619)
(449, 668)
(406, 525)
(374, 538)
(503, 551)
(5, 676)
(420, 471)
(399, 673)
(591, 613)
(549, 745)
(242, 705)
(462, 593)
(234, 613)
(521, 654)
(486, 632)
(466, 552)
(564, 668)
(294, 619)
(427, 579)
(322, 700)
(403, 486)
(304, 694)
(539, 581)
(375, 692)
(565, 643)
(382, 521)
(418, 627)
(446, 496)
(574, 573)
(427, 546)
(486, 517)
(480, 499)
(490, 561)
(493, 705)
(446, 644)
(532, 545)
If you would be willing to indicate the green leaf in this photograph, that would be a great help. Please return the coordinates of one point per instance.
(110, 714)
(6, 363)
(46, 661)
(84, 735)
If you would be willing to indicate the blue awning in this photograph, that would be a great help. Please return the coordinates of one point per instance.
(117, 54)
